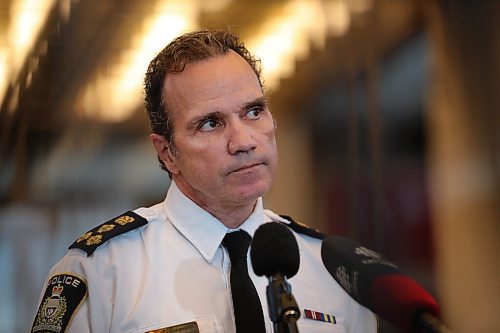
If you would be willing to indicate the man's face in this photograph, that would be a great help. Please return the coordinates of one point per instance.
(225, 149)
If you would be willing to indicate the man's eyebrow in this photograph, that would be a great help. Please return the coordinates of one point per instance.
(193, 123)
(260, 101)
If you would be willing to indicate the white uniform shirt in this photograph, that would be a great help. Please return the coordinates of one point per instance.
(173, 270)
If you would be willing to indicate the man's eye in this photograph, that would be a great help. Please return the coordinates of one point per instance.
(209, 125)
(254, 113)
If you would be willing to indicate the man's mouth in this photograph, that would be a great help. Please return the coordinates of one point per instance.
(246, 167)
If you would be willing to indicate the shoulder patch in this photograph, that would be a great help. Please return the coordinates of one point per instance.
(303, 228)
(91, 240)
(63, 296)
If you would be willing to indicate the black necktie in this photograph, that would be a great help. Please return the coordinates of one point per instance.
(246, 303)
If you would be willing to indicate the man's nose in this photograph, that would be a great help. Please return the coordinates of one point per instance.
(241, 138)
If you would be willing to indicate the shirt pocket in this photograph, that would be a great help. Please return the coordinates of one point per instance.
(307, 325)
(202, 324)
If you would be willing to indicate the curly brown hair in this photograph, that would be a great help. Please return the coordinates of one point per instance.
(188, 48)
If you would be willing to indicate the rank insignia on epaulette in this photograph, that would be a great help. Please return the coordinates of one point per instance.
(319, 316)
(63, 296)
(303, 228)
(92, 239)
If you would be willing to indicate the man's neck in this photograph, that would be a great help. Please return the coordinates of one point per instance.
(231, 215)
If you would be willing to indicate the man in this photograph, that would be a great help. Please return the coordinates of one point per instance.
(167, 268)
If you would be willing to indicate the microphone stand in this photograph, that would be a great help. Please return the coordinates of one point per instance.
(283, 309)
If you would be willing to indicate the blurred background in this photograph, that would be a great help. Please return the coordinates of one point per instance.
(388, 130)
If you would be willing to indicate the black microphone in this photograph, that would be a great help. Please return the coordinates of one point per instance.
(379, 285)
(275, 254)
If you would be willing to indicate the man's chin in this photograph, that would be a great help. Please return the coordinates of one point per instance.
(248, 194)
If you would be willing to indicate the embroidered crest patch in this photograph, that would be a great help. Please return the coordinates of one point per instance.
(63, 296)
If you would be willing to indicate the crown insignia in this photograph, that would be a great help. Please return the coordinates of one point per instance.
(57, 290)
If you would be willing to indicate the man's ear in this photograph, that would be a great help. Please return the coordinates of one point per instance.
(164, 150)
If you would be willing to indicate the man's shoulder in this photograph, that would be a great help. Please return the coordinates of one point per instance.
(297, 226)
(113, 228)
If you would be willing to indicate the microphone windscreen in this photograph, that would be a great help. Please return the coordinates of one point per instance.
(274, 250)
(375, 282)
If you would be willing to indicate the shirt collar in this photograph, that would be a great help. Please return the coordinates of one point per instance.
(204, 231)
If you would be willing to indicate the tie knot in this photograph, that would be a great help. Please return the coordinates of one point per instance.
(237, 244)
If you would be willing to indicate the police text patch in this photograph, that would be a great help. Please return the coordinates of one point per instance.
(63, 296)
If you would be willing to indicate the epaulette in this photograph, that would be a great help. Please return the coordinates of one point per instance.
(303, 228)
(94, 238)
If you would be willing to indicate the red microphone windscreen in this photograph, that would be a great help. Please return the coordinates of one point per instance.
(398, 298)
